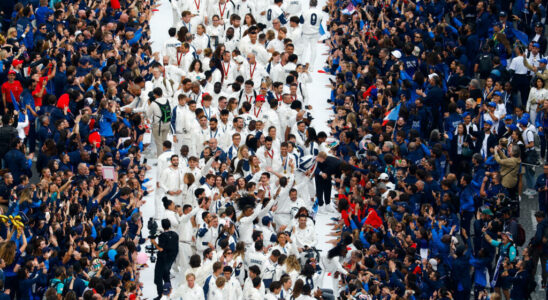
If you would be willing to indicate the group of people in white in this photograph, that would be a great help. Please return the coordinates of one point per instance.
(230, 116)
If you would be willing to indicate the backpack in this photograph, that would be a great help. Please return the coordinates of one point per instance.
(520, 238)
(536, 138)
(166, 111)
(485, 64)
(65, 287)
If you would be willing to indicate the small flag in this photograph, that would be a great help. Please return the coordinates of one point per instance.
(521, 36)
(392, 115)
(373, 219)
(14, 101)
(349, 9)
(115, 4)
(322, 31)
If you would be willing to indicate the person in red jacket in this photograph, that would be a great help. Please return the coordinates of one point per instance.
(9, 87)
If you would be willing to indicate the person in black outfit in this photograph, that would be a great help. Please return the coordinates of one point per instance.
(327, 167)
(538, 247)
(168, 248)
(7, 134)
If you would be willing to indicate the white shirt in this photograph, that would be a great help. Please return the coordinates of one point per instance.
(170, 47)
(200, 42)
(305, 237)
(313, 18)
(274, 12)
(185, 292)
(518, 66)
(171, 179)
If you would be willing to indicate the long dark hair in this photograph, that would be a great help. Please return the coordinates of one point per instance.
(311, 136)
(339, 250)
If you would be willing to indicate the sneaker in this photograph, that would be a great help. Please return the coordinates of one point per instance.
(529, 192)
(330, 209)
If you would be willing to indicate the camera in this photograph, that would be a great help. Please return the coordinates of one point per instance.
(503, 204)
(152, 227)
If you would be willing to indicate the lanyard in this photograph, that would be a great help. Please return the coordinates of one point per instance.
(284, 163)
(211, 135)
(179, 57)
(227, 68)
(222, 11)
(252, 71)
(208, 114)
(279, 97)
(270, 154)
(247, 98)
(255, 112)
(197, 4)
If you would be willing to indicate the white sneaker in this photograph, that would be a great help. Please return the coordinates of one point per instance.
(330, 209)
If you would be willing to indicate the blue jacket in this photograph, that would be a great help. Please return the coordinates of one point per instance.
(466, 198)
(105, 123)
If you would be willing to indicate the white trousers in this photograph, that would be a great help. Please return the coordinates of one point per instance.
(309, 42)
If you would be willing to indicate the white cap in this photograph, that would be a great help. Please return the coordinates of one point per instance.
(383, 176)
(416, 51)
(431, 76)
(434, 264)
(396, 54)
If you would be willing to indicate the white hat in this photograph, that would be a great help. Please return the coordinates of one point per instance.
(396, 54)
(383, 176)
(416, 51)
(434, 264)
(431, 76)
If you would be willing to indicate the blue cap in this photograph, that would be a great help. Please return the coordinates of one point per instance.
(497, 93)
(266, 220)
(512, 127)
(492, 104)
(508, 117)
(543, 60)
(503, 14)
(523, 121)
(499, 24)
(465, 114)
(536, 45)
(488, 122)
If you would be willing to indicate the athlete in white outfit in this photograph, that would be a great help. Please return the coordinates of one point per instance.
(311, 20)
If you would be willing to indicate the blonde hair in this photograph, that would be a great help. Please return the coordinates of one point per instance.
(3, 54)
(220, 282)
(292, 263)
(240, 151)
(11, 31)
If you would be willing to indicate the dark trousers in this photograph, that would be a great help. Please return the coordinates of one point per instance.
(537, 254)
(323, 189)
(465, 220)
(521, 83)
(161, 274)
(543, 144)
(462, 295)
(31, 137)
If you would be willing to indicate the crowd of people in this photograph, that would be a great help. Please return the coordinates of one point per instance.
(436, 138)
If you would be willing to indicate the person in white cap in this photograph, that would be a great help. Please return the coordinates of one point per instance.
(386, 180)
(396, 54)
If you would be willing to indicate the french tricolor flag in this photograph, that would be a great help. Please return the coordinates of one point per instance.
(392, 115)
